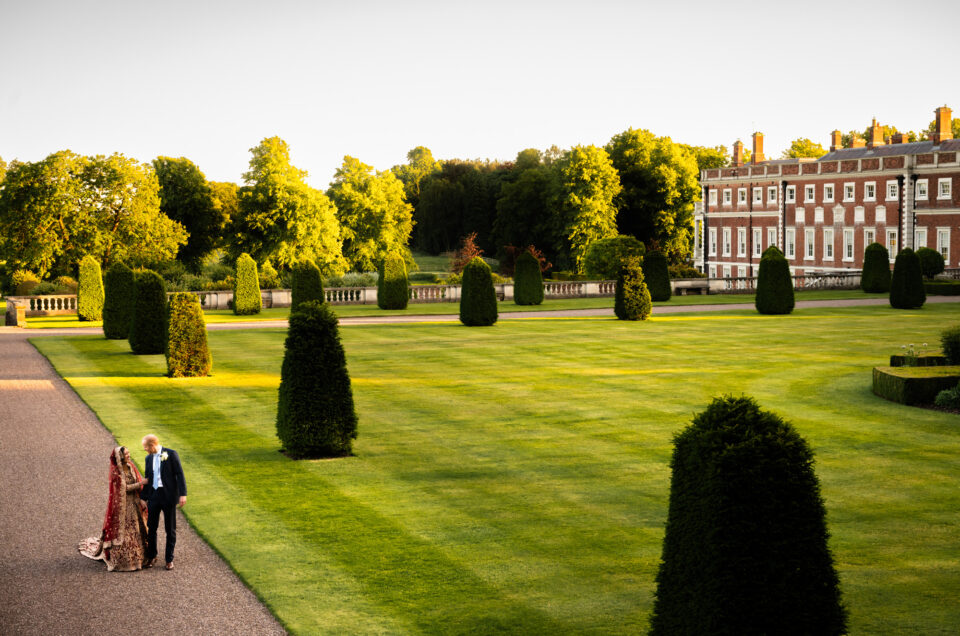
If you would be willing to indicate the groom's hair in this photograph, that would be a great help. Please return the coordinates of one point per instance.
(149, 439)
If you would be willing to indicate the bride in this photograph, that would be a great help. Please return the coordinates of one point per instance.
(122, 541)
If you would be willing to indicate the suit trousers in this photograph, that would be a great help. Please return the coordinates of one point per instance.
(157, 504)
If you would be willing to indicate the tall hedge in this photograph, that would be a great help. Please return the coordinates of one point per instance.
(148, 324)
(393, 287)
(307, 284)
(657, 276)
(527, 280)
(906, 284)
(478, 298)
(315, 412)
(120, 293)
(931, 262)
(746, 543)
(188, 355)
(246, 287)
(631, 299)
(774, 285)
(876, 269)
(90, 290)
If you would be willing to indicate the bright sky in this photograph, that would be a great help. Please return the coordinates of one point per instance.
(373, 79)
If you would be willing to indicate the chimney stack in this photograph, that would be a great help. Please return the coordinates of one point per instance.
(856, 141)
(836, 140)
(737, 153)
(900, 138)
(876, 135)
(757, 156)
(942, 126)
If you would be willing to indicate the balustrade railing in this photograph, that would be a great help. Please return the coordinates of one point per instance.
(826, 280)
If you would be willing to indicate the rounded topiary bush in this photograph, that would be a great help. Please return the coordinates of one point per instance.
(774, 285)
(876, 269)
(950, 344)
(148, 324)
(120, 293)
(307, 284)
(393, 288)
(657, 276)
(906, 284)
(603, 257)
(631, 299)
(527, 280)
(246, 287)
(315, 412)
(478, 298)
(188, 355)
(746, 543)
(90, 290)
(931, 262)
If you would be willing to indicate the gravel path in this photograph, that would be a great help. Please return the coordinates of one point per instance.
(53, 492)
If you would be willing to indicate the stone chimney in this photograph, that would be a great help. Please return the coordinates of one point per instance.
(876, 135)
(737, 153)
(942, 125)
(857, 142)
(757, 156)
(836, 140)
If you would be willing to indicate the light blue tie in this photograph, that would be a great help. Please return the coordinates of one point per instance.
(156, 470)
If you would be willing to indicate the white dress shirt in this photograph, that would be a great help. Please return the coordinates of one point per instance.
(157, 482)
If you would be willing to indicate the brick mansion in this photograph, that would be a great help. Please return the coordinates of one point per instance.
(823, 212)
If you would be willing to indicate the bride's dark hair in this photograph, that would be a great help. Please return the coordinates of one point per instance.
(123, 457)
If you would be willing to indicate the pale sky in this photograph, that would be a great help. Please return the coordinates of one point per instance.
(373, 79)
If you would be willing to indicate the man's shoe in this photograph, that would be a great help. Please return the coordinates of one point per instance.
(149, 563)
(170, 565)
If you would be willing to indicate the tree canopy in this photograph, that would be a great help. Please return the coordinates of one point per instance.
(526, 206)
(803, 147)
(708, 158)
(420, 164)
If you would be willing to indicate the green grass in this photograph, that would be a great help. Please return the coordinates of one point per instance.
(427, 263)
(515, 478)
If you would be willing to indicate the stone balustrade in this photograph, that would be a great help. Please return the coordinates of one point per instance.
(825, 280)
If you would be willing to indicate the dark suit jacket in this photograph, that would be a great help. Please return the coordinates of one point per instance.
(171, 474)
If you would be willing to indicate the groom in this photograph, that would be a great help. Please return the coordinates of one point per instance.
(163, 489)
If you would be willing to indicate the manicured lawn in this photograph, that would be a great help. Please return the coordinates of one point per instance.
(515, 478)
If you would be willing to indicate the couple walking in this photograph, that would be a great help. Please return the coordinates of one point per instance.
(128, 540)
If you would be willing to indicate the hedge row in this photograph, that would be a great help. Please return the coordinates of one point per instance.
(913, 385)
(942, 287)
(918, 361)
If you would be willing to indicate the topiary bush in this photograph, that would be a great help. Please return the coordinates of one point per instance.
(90, 290)
(876, 269)
(906, 284)
(774, 285)
(307, 284)
(657, 276)
(315, 412)
(148, 324)
(950, 344)
(120, 293)
(773, 249)
(246, 288)
(746, 543)
(23, 281)
(528, 280)
(631, 299)
(393, 288)
(478, 298)
(931, 262)
(269, 278)
(603, 257)
(188, 355)
(948, 398)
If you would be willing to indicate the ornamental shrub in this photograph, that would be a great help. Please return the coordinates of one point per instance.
(269, 278)
(603, 257)
(307, 284)
(657, 276)
(188, 355)
(246, 287)
(120, 293)
(66, 285)
(906, 284)
(631, 300)
(773, 249)
(931, 262)
(90, 290)
(23, 281)
(148, 324)
(746, 543)
(948, 398)
(950, 344)
(774, 285)
(315, 412)
(478, 298)
(393, 288)
(527, 280)
(876, 269)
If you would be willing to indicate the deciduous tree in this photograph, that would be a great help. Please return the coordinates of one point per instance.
(420, 164)
(804, 147)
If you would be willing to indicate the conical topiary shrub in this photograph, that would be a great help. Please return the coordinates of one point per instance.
(315, 413)
(746, 543)
(148, 324)
(90, 291)
(906, 284)
(774, 285)
(307, 284)
(188, 355)
(875, 278)
(478, 298)
(246, 287)
(527, 280)
(393, 288)
(657, 276)
(120, 294)
(773, 249)
(631, 299)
